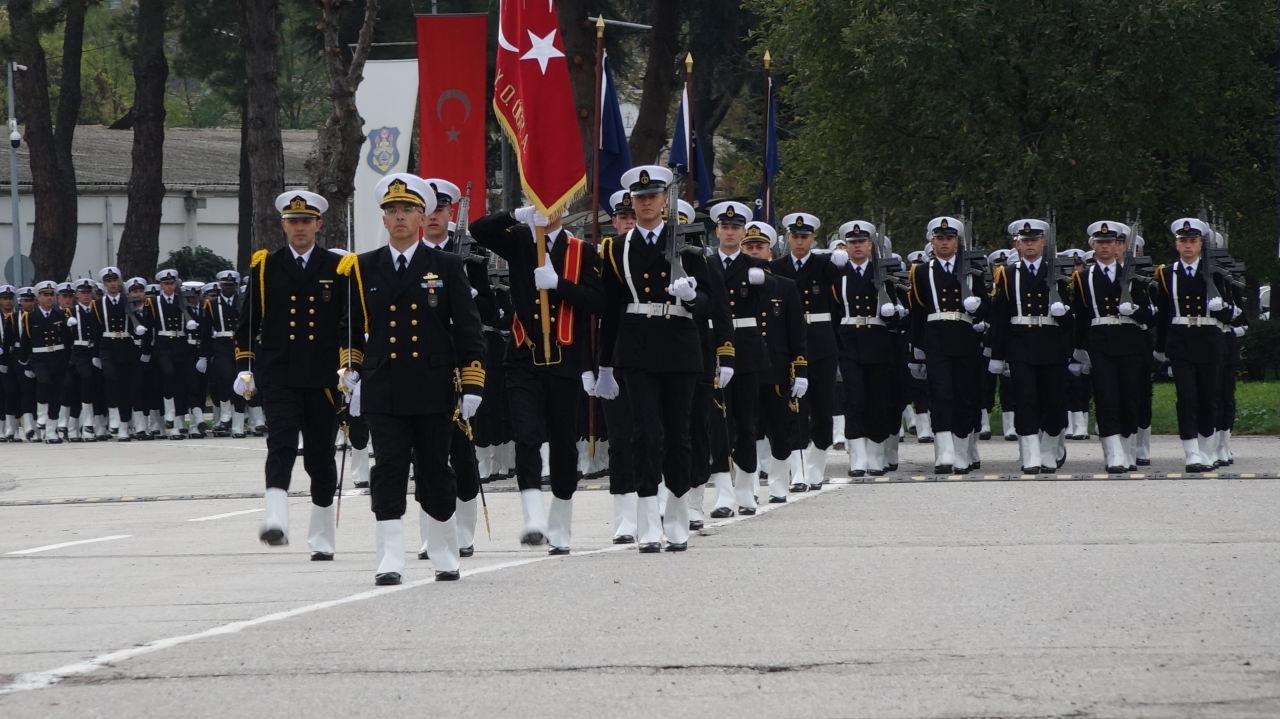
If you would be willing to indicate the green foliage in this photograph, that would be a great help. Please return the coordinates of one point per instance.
(195, 263)
(1260, 350)
(1091, 107)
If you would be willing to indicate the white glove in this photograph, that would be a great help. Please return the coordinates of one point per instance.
(545, 277)
(474, 293)
(1081, 356)
(28, 374)
(1075, 368)
(588, 382)
(917, 353)
(347, 380)
(839, 258)
(4, 369)
(995, 366)
(192, 325)
(72, 321)
(1236, 312)
(144, 359)
(723, 376)
(530, 216)
(902, 311)
(755, 276)
(470, 403)
(684, 289)
(888, 309)
(986, 352)
(1216, 304)
(202, 365)
(353, 404)
(240, 386)
(139, 330)
(971, 304)
(1238, 331)
(1153, 310)
(799, 386)
(1127, 309)
(917, 370)
(1160, 356)
(606, 385)
(980, 327)
(97, 363)
(1057, 309)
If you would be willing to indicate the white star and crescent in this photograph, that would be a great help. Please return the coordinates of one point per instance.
(543, 49)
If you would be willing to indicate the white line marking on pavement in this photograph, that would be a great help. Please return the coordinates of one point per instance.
(29, 681)
(228, 514)
(47, 547)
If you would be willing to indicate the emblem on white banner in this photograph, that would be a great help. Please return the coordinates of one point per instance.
(383, 154)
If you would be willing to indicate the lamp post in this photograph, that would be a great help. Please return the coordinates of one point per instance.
(15, 141)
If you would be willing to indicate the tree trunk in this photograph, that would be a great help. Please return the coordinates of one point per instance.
(53, 176)
(140, 242)
(660, 82)
(260, 39)
(244, 228)
(332, 165)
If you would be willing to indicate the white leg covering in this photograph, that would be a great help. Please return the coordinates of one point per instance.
(584, 462)
(837, 428)
(1191, 452)
(1143, 448)
(664, 494)
(779, 476)
(624, 514)
(1129, 444)
(360, 465)
(424, 532)
(1029, 453)
(648, 525)
(1224, 448)
(909, 416)
(694, 499)
(277, 516)
(560, 522)
(1006, 421)
(168, 410)
(534, 515)
(1050, 450)
(763, 454)
(986, 421)
(545, 453)
(960, 443)
(389, 546)
(237, 423)
(875, 457)
(857, 454)
(944, 449)
(891, 452)
(675, 522)
(465, 515)
(744, 487)
(322, 534)
(113, 418)
(924, 425)
(724, 488)
(484, 462)
(1208, 449)
(1113, 451)
(86, 422)
(974, 457)
(443, 540)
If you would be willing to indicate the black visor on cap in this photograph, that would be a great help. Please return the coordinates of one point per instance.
(1188, 232)
(945, 231)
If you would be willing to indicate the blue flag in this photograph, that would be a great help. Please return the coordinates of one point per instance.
(615, 155)
(764, 201)
(684, 145)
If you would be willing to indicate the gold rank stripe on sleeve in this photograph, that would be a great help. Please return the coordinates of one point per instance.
(350, 356)
(259, 260)
(472, 374)
(345, 267)
(725, 350)
(244, 354)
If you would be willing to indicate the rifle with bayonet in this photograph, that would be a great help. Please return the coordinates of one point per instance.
(1051, 258)
(675, 238)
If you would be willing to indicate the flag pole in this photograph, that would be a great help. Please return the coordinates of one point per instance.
(767, 210)
(595, 219)
(689, 193)
(544, 300)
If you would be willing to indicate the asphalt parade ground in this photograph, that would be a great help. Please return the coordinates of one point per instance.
(133, 584)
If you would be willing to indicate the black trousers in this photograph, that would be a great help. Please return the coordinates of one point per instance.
(1041, 397)
(742, 399)
(426, 438)
(818, 405)
(50, 369)
(308, 411)
(704, 415)
(1008, 396)
(779, 419)
(544, 408)
(617, 413)
(1147, 394)
(661, 404)
(871, 411)
(1226, 418)
(1079, 393)
(1119, 382)
(12, 404)
(1198, 388)
(989, 384)
(81, 384)
(491, 426)
(174, 359)
(918, 391)
(222, 375)
(955, 389)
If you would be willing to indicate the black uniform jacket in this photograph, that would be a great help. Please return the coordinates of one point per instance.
(815, 283)
(1180, 296)
(747, 302)
(871, 339)
(784, 331)
(1096, 296)
(1016, 292)
(944, 337)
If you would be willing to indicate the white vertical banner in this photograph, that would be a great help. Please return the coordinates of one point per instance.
(386, 99)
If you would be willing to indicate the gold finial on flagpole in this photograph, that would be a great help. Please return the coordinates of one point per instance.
(600, 26)
(768, 59)
(688, 62)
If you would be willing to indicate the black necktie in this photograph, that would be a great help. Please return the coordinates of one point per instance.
(947, 266)
(859, 271)
(799, 265)
(651, 237)
(1190, 272)
(1106, 272)
(728, 261)
(302, 264)
(1032, 269)
(401, 264)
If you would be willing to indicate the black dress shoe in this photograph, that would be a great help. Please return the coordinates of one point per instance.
(533, 539)
(764, 475)
(145, 437)
(816, 487)
(1011, 438)
(1131, 468)
(53, 440)
(943, 469)
(273, 536)
(876, 472)
(467, 551)
(423, 555)
(1116, 469)
(125, 438)
(387, 579)
(1031, 470)
(746, 511)
(624, 539)
(695, 525)
(799, 487)
(362, 484)
(239, 435)
(721, 513)
(984, 435)
(975, 465)
(321, 557)
(1198, 468)
(558, 551)
(777, 500)
(891, 467)
(650, 548)
(1048, 470)
(964, 470)
(1146, 462)
(447, 576)
(925, 440)
(857, 472)
(677, 546)
(178, 437)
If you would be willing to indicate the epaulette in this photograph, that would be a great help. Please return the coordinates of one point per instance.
(1164, 282)
(726, 350)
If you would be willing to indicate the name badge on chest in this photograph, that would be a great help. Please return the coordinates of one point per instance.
(432, 283)
(326, 290)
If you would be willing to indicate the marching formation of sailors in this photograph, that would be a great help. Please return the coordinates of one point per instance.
(685, 366)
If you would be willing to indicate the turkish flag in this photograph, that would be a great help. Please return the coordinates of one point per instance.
(451, 93)
(534, 103)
